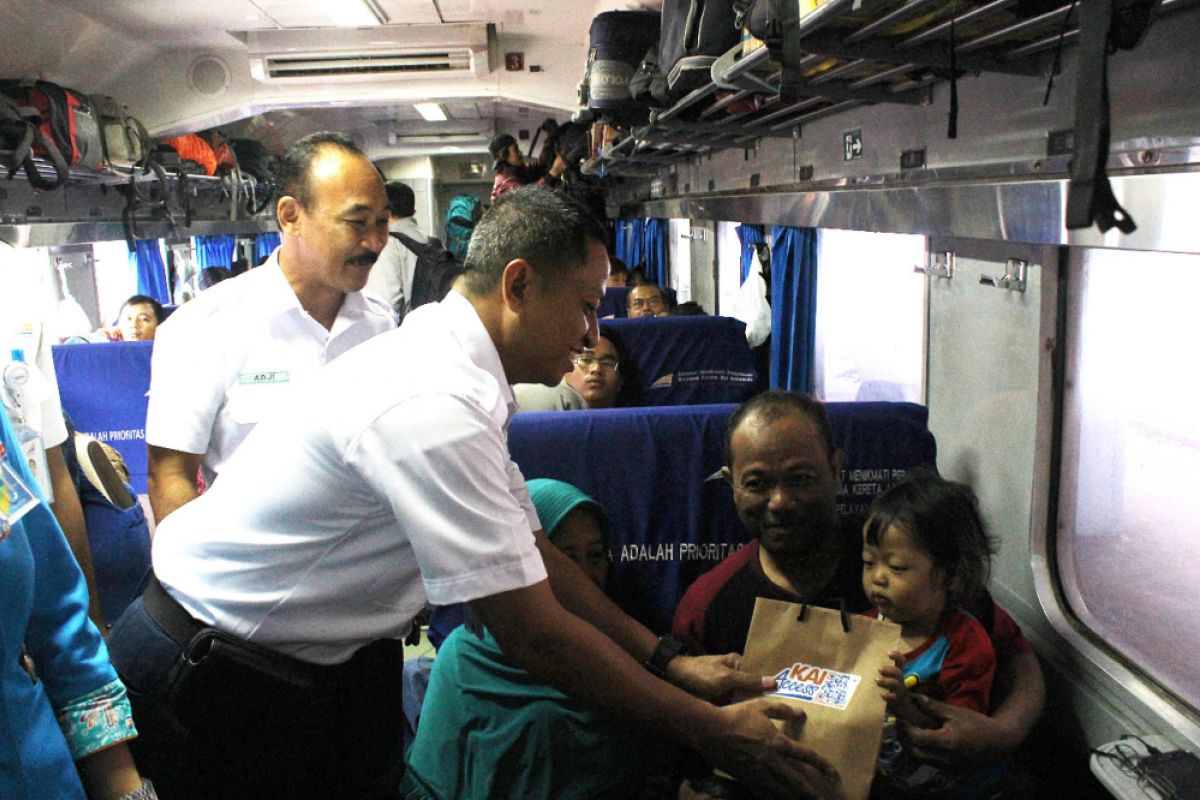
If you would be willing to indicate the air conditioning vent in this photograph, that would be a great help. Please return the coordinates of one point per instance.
(388, 53)
(284, 67)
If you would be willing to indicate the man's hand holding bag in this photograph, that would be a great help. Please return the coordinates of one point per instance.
(826, 661)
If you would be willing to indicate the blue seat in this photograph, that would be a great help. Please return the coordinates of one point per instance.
(672, 361)
(656, 472)
(103, 389)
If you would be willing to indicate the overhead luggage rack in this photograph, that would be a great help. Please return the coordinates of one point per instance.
(96, 205)
(838, 57)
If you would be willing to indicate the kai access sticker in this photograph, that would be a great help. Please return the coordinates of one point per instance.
(16, 499)
(813, 684)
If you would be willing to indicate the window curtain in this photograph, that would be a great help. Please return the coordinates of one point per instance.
(654, 250)
(793, 307)
(749, 235)
(264, 245)
(214, 251)
(629, 241)
(147, 260)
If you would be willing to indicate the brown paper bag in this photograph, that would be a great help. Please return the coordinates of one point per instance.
(830, 672)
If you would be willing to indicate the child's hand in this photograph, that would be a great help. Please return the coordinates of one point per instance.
(898, 696)
(891, 680)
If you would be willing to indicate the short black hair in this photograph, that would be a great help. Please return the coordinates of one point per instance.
(688, 309)
(772, 405)
(294, 169)
(943, 518)
(666, 301)
(401, 200)
(616, 265)
(548, 229)
(147, 300)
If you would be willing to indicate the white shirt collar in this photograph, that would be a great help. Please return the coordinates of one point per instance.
(281, 298)
(477, 343)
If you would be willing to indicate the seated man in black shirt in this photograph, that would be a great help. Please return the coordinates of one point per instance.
(784, 471)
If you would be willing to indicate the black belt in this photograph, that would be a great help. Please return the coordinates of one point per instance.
(170, 616)
(181, 626)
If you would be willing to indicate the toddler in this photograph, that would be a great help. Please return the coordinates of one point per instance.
(926, 557)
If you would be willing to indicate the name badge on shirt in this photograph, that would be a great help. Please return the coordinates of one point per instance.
(262, 378)
(16, 499)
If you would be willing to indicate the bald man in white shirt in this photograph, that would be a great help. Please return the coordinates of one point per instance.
(232, 357)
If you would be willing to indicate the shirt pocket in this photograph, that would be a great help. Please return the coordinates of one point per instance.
(255, 396)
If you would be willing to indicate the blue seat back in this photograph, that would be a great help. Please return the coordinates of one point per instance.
(103, 389)
(674, 361)
(656, 472)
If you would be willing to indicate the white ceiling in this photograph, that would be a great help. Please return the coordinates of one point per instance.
(139, 50)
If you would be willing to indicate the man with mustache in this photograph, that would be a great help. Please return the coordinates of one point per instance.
(235, 353)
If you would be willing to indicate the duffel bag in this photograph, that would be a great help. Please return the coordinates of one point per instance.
(617, 45)
(67, 119)
(694, 34)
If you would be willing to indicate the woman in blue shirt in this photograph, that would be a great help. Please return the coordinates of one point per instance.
(64, 718)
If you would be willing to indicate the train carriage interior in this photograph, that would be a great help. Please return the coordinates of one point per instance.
(967, 225)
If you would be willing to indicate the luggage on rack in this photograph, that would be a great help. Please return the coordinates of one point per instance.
(222, 150)
(618, 41)
(20, 133)
(255, 159)
(125, 139)
(68, 120)
(192, 147)
(648, 86)
(693, 34)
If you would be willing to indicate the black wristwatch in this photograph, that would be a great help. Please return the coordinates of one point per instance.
(668, 648)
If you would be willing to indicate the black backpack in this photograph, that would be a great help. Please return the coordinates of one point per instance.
(20, 133)
(433, 275)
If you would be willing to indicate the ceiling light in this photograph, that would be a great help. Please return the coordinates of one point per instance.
(354, 13)
(432, 112)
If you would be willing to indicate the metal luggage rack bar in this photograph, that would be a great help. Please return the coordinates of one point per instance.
(108, 175)
(116, 174)
(895, 57)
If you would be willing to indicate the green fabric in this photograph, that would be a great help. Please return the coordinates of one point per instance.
(553, 500)
(488, 729)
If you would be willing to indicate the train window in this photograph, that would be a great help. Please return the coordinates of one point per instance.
(116, 278)
(1129, 520)
(870, 341)
(729, 267)
(679, 254)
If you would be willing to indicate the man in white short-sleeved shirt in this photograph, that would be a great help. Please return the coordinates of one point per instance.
(232, 356)
(392, 276)
(388, 481)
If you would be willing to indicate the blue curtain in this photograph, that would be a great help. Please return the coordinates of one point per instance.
(749, 235)
(214, 251)
(264, 245)
(629, 241)
(793, 306)
(147, 260)
(643, 242)
(654, 250)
